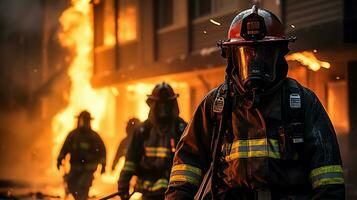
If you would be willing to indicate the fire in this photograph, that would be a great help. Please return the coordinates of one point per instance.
(77, 35)
(308, 59)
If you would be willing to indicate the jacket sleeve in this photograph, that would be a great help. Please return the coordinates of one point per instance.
(324, 161)
(102, 153)
(65, 148)
(193, 155)
(132, 159)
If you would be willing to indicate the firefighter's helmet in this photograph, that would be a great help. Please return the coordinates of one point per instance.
(256, 25)
(162, 92)
(255, 43)
(85, 115)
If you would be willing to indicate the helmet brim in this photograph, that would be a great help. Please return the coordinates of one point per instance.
(151, 97)
(241, 41)
(91, 118)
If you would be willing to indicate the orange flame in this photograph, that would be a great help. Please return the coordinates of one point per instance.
(308, 59)
(77, 35)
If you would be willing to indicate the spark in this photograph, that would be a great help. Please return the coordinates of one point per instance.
(215, 22)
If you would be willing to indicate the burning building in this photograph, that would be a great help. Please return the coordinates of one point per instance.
(138, 43)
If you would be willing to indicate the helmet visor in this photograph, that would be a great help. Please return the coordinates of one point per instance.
(255, 62)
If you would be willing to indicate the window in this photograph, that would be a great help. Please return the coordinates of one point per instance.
(109, 23)
(170, 13)
(165, 13)
(337, 105)
(273, 6)
(204, 7)
(127, 21)
(207, 7)
(224, 5)
(201, 8)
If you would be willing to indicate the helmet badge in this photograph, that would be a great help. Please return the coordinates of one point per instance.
(253, 26)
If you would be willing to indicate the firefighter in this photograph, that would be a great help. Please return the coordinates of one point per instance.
(130, 127)
(260, 135)
(151, 150)
(86, 150)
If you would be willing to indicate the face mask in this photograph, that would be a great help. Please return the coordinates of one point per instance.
(163, 111)
(254, 65)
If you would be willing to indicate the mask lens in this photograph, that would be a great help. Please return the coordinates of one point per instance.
(255, 62)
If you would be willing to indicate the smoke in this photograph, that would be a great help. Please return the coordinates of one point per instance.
(25, 136)
(22, 15)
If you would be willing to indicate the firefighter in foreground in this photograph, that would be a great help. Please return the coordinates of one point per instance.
(86, 150)
(152, 147)
(260, 135)
(122, 149)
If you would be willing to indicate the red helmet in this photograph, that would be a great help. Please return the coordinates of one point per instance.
(256, 44)
(256, 25)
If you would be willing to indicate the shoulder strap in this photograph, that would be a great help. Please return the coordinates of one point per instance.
(217, 109)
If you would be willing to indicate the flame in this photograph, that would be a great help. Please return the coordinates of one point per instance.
(77, 35)
(308, 59)
(127, 22)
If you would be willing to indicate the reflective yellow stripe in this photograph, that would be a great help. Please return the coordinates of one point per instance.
(162, 149)
(185, 173)
(326, 169)
(273, 154)
(160, 184)
(187, 168)
(182, 178)
(253, 142)
(274, 142)
(129, 166)
(154, 186)
(273, 149)
(326, 175)
(251, 148)
(160, 152)
(328, 181)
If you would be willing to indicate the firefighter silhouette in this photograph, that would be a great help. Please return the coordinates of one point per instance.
(87, 151)
(130, 127)
(150, 152)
